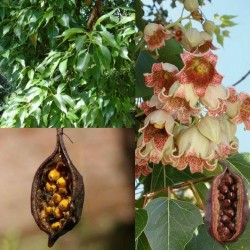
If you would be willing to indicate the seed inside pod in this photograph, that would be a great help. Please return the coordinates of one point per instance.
(57, 193)
(227, 208)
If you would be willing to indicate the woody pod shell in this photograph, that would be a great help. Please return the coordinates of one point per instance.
(77, 191)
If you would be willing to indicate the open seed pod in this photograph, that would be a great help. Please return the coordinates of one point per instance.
(227, 208)
(57, 193)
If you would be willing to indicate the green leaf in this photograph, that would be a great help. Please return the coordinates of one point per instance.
(64, 20)
(142, 243)
(37, 115)
(6, 29)
(60, 88)
(170, 53)
(68, 100)
(23, 114)
(70, 32)
(173, 176)
(141, 218)
(143, 65)
(33, 39)
(140, 22)
(203, 241)
(48, 15)
(110, 39)
(35, 103)
(171, 223)
(106, 56)
(227, 17)
(103, 17)
(83, 61)
(79, 42)
(124, 53)
(31, 74)
(60, 103)
(241, 164)
(220, 39)
(63, 67)
(127, 19)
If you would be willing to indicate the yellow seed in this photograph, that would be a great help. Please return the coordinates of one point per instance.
(50, 187)
(54, 175)
(63, 205)
(49, 210)
(56, 226)
(43, 215)
(57, 213)
(56, 198)
(62, 191)
(69, 199)
(61, 182)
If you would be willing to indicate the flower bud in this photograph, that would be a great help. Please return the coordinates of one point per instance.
(191, 5)
(193, 37)
(209, 27)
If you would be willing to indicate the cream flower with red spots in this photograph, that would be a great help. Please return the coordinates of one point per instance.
(214, 99)
(199, 72)
(156, 136)
(155, 36)
(152, 105)
(141, 168)
(178, 106)
(240, 110)
(193, 150)
(163, 76)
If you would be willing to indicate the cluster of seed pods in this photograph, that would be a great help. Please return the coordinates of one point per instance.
(227, 209)
(57, 193)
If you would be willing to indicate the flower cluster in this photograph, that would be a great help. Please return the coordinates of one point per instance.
(191, 118)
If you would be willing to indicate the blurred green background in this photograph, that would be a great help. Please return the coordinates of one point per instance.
(105, 159)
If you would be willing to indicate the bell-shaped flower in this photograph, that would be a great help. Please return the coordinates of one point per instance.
(214, 99)
(178, 106)
(232, 103)
(199, 71)
(158, 126)
(162, 76)
(185, 91)
(141, 168)
(227, 143)
(210, 128)
(155, 36)
(193, 150)
(191, 39)
(206, 44)
(243, 111)
(152, 105)
(151, 147)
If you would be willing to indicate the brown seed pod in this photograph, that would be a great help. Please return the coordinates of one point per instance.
(227, 212)
(57, 212)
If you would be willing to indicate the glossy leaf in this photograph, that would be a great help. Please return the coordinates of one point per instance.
(60, 103)
(63, 67)
(83, 61)
(142, 243)
(141, 218)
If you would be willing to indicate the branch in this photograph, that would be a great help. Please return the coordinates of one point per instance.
(181, 185)
(243, 78)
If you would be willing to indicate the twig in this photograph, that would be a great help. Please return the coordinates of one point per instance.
(181, 185)
(243, 78)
